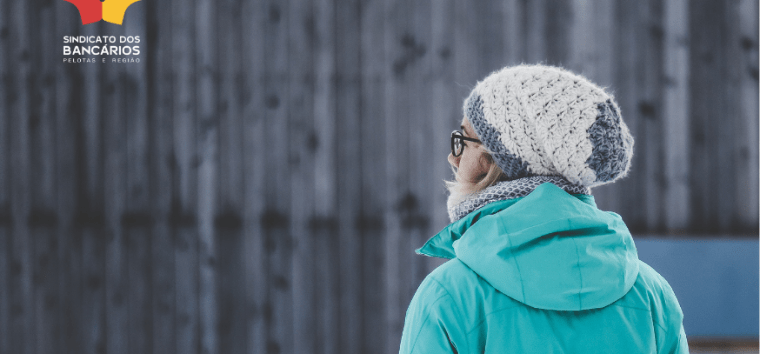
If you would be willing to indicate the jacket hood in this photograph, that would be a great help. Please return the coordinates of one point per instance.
(549, 250)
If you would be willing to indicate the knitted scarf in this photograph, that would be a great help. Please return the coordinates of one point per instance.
(509, 190)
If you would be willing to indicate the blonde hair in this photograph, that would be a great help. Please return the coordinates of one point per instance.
(459, 191)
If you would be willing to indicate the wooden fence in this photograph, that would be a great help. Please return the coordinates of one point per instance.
(259, 181)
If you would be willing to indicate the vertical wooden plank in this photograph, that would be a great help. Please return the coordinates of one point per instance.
(324, 108)
(255, 151)
(373, 202)
(558, 30)
(68, 122)
(705, 22)
(185, 179)
(275, 219)
(735, 69)
(418, 216)
(746, 39)
(303, 144)
(490, 38)
(158, 52)
(5, 199)
(649, 74)
(71, 192)
(725, 116)
(401, 53)
(348, 128)
(697, 107)
(676, 115)
(716, 121)
(535, 31)
(465, 49)
(323, 223)
(445, 109)
(591, 49)
(208, 130)
(327, 276)
(229, 221)
(231, 286)
(68, 129)
(23, 337)
(514, 32)
(137, 221)
(90, 218)
(42, 216)
(114, 118)
(110, 111)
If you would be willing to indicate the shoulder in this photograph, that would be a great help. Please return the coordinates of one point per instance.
(453, 270)
(657, 285)
(439, 285)
(664, 308)
(433, 319)
(454, 292)
(653, 291)
(455, 280)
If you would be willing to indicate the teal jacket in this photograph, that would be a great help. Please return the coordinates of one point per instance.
(546, 273)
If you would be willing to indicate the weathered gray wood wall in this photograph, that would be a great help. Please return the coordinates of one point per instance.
(258, 182)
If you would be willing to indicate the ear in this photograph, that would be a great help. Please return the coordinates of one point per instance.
(486, 159)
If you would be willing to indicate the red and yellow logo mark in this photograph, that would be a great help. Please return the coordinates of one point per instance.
(93, 11)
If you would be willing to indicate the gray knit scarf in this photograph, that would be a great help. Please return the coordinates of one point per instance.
(509, 190)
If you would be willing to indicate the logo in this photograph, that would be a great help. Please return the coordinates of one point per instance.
(92, 11)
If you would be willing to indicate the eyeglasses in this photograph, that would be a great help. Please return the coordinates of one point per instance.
(457, 146)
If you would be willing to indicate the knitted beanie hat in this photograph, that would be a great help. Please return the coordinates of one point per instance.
(547, 121)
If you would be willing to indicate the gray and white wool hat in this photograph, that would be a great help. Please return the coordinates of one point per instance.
(540, 120)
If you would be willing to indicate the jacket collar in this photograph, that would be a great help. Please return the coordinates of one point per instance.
(442, 244)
